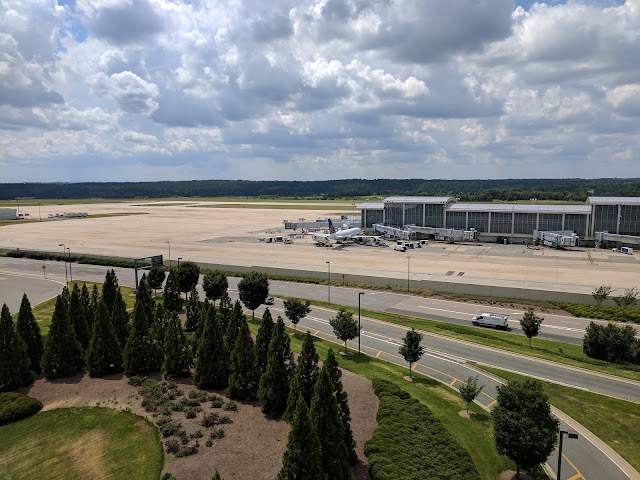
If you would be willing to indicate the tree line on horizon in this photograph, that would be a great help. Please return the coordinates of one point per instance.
(571, 189)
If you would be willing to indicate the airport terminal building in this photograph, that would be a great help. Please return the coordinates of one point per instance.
(602, 221)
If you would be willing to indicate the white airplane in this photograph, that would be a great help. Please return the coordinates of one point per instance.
(338, 235)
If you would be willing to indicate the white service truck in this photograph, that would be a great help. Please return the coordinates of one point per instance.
(491, 320)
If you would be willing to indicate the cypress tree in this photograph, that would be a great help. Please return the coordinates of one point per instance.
(145, 299)
(85, 298)
(294, 393)
(305, 376)
(328, 426)
(14, 361)
(65, 295)
(171, 295)
(212, 364)
(109, 289)
(104, 354)
(262, 340)
(142, 352)
(63, 356)
(120, 319)
(29, 331)
(233, 326)
(176, 349)
(303, 457)
(274, 382)
(202, 318)
(244, 378)
(95, 297)
(225, 308)
(342, 400)
(78, 317)
(193, 311)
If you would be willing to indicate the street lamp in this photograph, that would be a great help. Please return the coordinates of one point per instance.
(408, 270)
(169, 259)
(179, 258)
(570, 435)
(70, 274)
(64, 257)
(39, 216)
(328, 282)
(359, 297)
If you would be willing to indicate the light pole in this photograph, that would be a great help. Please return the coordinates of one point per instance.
(408, 270)
(328, 282)
(359, 297)
(39, 216)
(353, 213)
(64, 257)
(570, 435)
(179, 258)
(169, 259)
(70, 274)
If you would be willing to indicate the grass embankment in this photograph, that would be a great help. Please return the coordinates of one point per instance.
(475, 436)
(44, 311)
(77, 443)
(566, 353)
(616, 422)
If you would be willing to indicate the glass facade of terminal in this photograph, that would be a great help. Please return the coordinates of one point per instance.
(413, 214)
(501, 222)
(550, 222)
(369, 217)
(576, 223)
(479, 221)
(434, 215)
(393, 214)
(606, 218)
(457, 220)
(630, 220)
(525, 223)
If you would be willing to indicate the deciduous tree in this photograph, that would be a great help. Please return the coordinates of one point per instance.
(63, 356)
(14, 361)
(212, 360)
(296, 309)
(214, 284)
(601, 293)
(29, 331)
(188, 275)
(344, 327)
(274, 382)
(262, 340)
(530, 324)
(524, 428)
(156, 277)
(470, 390)
(104, 354)
(628, 299)
(253, 289)
(411, 350)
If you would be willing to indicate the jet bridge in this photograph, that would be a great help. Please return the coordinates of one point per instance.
(392, 231)
(450, 235)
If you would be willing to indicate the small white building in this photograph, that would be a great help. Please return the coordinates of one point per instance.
(8, 214)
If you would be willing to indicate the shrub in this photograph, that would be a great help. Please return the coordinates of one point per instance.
(216, 403)
(197, 434)
(216, 434)
(409, 438)
(169, 429)
(232, 406)
(186, 451)
(611, 342)
(172, 446)
(15, 406)
(182, 435)
(198, 395)
(210, 420)
(190, 412)
(137, 381)
(209, 443)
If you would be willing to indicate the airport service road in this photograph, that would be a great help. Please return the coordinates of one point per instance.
(581, 458)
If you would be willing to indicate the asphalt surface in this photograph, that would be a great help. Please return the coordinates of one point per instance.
(445, 359)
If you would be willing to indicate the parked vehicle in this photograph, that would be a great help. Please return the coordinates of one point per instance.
(491, 320)
(400, 248)
(268, 301)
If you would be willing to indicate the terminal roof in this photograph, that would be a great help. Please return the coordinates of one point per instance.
(613, 200)
(371, 206)
(418, 199)
(519, 208)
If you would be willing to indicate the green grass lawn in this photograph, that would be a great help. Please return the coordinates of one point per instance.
(614, 421)
(275, 206)
(78, 443)
(44, 311)
(566, 353)
(476, 436)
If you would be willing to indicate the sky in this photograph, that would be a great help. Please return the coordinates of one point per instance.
(141, 90)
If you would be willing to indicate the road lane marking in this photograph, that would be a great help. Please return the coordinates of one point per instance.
(576, 476)
(578, 473)
(378, 354)
(492, 403)
(452, 382)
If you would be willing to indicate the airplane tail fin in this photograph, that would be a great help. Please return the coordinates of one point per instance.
(332, 229)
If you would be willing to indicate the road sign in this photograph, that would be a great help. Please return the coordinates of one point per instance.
(156, 260)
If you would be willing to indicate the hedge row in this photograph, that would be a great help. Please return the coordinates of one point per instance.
(107, 262)
(15, 406)
(603, 312)
(410, 442)
(41, 256)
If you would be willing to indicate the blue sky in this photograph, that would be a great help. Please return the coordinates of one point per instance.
(318, 89)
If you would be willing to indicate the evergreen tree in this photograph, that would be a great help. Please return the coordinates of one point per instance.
(212, 365)
(85, 298)
(78, 317)
(120, 319)
(215, 284)
(303, 457)
(202, 318)
(328, 426)
(262, 340)
(29, 331)
(63, 356)
(193, 311)
(109, 289)
(177, 357)
(253, 289)
(145, 299)
(158, 326)
(233, 326)
(104, 354)
(274, 382)
(225, 308)
(14, 361)
(305, 376)
(172, 300)
(142, 352)
(244, 378)
(342, 400)
(65, 295)
(91, 311)
(294, 394)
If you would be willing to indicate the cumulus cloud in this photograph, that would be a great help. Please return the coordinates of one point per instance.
(316, 89)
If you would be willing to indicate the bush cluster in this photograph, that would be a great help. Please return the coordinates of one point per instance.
(410, 439)
(606, 312)
(612, 343)
(107, 262)
(15, 406)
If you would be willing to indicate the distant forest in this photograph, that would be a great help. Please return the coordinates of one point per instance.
(573, 189)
